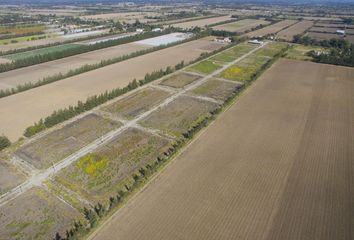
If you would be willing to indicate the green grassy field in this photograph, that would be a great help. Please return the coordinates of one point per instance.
(204, 67)
(233, 53)
(41, 51)
(299, 52)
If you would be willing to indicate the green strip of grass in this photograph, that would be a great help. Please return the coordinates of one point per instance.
(205, 67)
(41, 51)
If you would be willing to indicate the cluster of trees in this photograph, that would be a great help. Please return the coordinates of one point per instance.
(50, 56)
(4, 142)
(340, 51)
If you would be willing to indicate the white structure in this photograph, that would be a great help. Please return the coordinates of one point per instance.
(340, 32)
(255, 41)
(222, 40)
(157, 30)
(139, 30)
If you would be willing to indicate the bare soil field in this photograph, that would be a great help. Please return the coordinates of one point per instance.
(9, 175)
(57, 145)
(178, 116)
(179, 80)
(241, 26)
(277, 165)
(37, 72)
(128, 17)
(271, 29)
(323, 36)
(298, 28)
(334, 25)
(35, 215)
(217, 89)
(40, 102)
(137, 103)
(202, 22)
(330, 30)
(100, 175)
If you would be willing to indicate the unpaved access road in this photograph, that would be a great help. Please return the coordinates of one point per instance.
(21, 110)
(277, 165)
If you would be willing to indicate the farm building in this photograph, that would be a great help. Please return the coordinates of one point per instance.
(255, 41)
(222, 40)
(340, 32)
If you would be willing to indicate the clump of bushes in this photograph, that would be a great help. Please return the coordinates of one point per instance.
(4, 142)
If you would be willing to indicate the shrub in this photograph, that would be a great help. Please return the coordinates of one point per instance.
(4, 142)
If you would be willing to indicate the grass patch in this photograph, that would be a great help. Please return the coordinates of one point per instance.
(204, 67)
(299, 52)
(41, 51)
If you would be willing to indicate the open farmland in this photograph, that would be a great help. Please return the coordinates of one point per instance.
(136, 103)
(128, 17)
(248, 67)
(201, 22)
(323, 36)
(271, 29)
(49, 149)
(241, 26)
(298, 28)
(40, 102)
(233, 53)
(276, 165)
(205, 67)
(100, 174)
(300, 52)
(177, 117)
(36, 214)
(37, 72)
(179, 80)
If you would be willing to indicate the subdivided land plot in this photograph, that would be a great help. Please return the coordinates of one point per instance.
(218, 89)
(36, 214)
(135, 104)
(55, 146)
(233, 53)
(180, 80)
(180, 115)
(9, 176)
(101, 174)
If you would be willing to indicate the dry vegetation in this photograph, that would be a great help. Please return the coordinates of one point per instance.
(135, 104)
(217, 89)
(36, 214)
(178, 116)
(99, 175)
(179, 80)
(57, 145)
(274, 166)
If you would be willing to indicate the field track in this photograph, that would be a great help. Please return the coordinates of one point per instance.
(277, 165)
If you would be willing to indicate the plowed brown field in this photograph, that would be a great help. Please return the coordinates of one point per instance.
(277, 165)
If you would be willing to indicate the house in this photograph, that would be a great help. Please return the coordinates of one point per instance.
(340, 32)
(157, 30)
(139, 30)
(222, 40)
(255, 41)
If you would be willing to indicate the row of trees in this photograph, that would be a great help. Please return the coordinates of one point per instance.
(340, 51)
(100, 210)
(50, 56)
